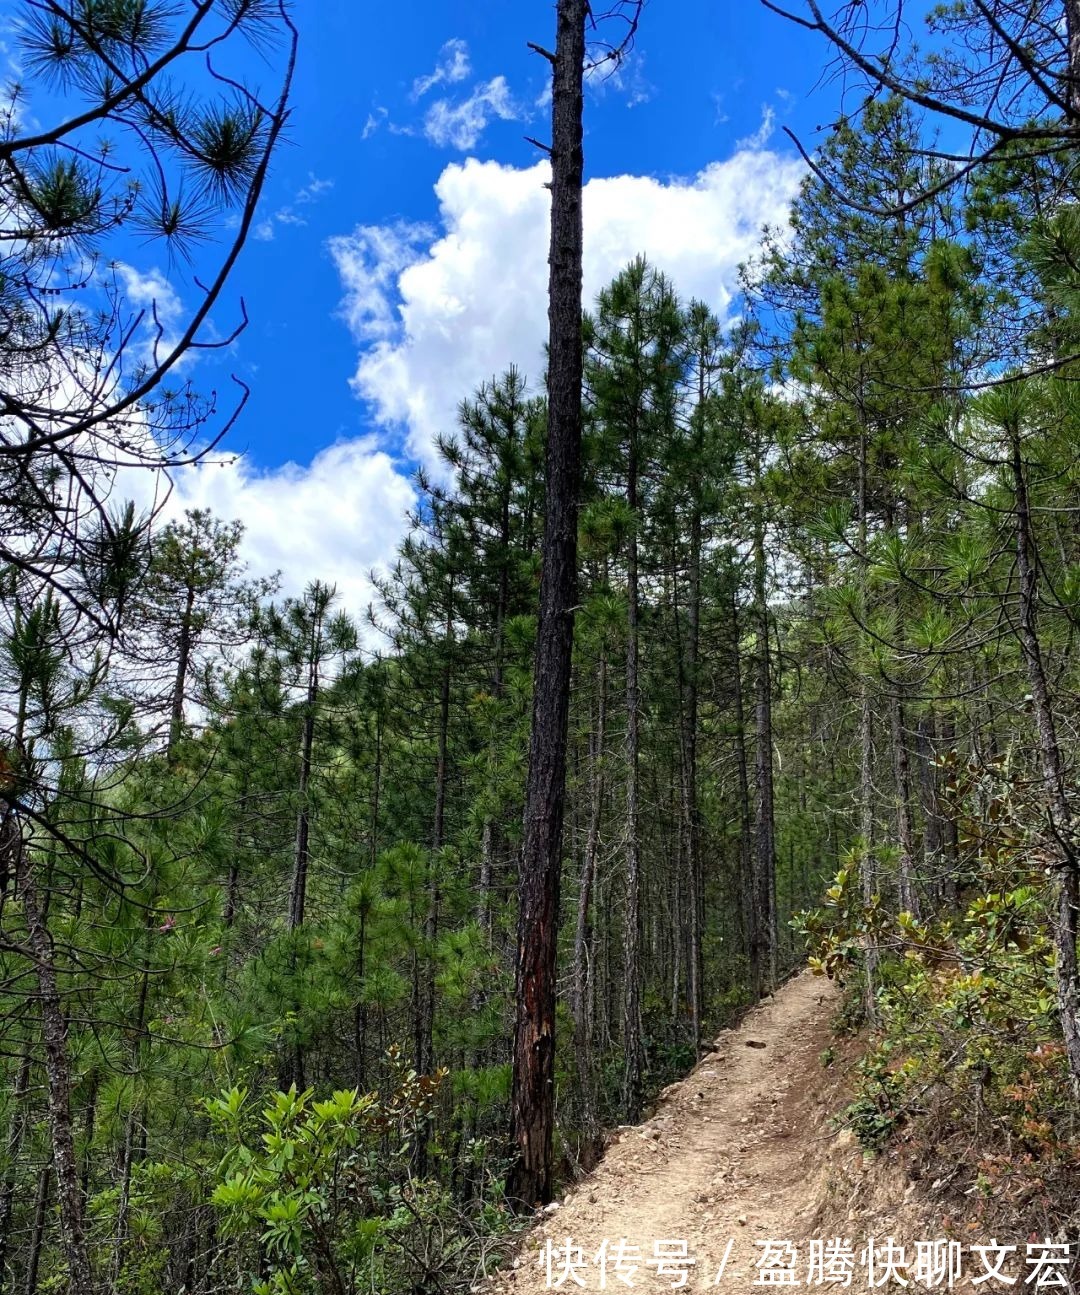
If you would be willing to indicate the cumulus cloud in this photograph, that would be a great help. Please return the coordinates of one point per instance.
(335, 519)
(453, 65)
(435, 313)
(370, 262)
(460, 125)
(436, 309)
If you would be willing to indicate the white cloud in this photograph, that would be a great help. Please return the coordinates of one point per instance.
(335, 519)
(437, 314)
(452, 66)
(374, 120)
(436, 311)
(460, 125)
(764, 132)
(314, 189)
(370, 262)
(624, 76)
(150, 293)
(309, 193)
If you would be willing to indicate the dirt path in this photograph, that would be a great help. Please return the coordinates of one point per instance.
(733, 1154)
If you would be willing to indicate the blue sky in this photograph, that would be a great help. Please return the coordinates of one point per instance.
(703, 73)
(400, 253)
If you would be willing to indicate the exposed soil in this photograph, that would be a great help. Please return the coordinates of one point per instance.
(735, 1153)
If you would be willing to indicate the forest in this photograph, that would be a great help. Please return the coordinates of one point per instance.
(336, 940)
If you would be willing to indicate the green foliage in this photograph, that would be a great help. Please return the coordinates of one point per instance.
(319, 1195)
(966, 1031)
(877, 1112)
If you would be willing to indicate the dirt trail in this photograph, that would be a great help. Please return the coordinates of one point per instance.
(733, 1153)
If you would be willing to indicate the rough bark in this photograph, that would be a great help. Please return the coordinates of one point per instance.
(533, 1087)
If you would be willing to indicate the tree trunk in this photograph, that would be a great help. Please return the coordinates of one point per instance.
(360, 1011)
(292, 1070)
(425, 1056)
(763, 952)
(183, 663)
(16, 1132)
(868, 861)
(1062, 837)
(1072, 26)
(533, 1086)
(581, 991)
(950, 827)
(748, 907)
(37, 1231)
(492, 833)
(58, 1087)
(909, 895)
(633, 1046)
(689, 806)
(302, 850)
(926, 749)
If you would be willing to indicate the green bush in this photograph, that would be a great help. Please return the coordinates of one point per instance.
(323, 1197)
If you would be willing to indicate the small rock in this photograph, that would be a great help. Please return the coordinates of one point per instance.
(755, 1043)
(741, 1220)
(550, 1209)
